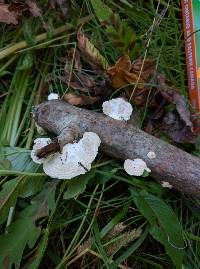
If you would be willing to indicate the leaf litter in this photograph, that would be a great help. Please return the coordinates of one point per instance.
(138, 80)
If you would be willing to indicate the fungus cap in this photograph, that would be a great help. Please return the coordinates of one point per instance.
(151, 155)
(118, 109)
(75, 158)
(166, 184)
(38, 144)
(135, 167)
(53, 96)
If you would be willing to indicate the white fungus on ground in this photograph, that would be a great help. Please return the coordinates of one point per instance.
(53, 96)
(75, 158)
(38, 144)
(166, 184)
(135, 167)
(151, 155)
(118, 109)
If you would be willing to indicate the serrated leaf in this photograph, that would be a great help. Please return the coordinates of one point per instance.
(8, 196)
(164, 225)
(36, 258)
(78, 185)
(23, 232)
(92, 54)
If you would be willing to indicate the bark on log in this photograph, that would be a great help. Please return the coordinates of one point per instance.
(123, 141)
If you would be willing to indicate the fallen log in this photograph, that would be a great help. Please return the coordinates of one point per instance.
(123, 141)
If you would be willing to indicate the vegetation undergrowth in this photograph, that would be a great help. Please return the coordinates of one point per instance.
(105, 218)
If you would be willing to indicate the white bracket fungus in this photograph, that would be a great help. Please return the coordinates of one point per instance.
(118, 109)
(135, 167)
(38, 144)
(151, 155)
(53, 96)
(166, 184)
(75, 158)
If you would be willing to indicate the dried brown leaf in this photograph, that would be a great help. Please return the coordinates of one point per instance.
(172, 96)
(145, 67)
(33, 8)
(92, 54)
(78, 99)
(7, 16)
(75, 56)
(176, 129)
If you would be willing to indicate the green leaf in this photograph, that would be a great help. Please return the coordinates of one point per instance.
(23, 232)
(102, 11)
(164, 225)
(78, 185)
(19, 159)
(5, 164)
(116, 219)
(26, 61)
(103, 178)
(122, 36)
(37, 257)
(9, 194)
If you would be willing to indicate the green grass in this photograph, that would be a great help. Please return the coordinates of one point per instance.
(52, 219)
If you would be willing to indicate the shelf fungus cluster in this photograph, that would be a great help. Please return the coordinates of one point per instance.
(75, 158)
(118, 109)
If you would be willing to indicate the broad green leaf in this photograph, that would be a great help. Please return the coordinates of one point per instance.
(23, 232)
(78, 185)
(38, 255)
(21, 186)
(9, 194)
(164, 225)
(19, 159)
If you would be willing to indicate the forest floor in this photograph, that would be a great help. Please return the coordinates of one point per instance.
(88, 52)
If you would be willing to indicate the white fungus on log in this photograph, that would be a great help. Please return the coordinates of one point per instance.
(38, 144)
(118, 109)
(75, 159)
(151, 155)
(53, 96)
(39, 129)
(166, 184)
(135, 167)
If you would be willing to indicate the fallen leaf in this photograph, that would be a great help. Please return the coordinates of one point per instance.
(76, 78)
(145, 67)
(120, 74)
(63, 6)
(176, 129)
(11, 13)
(172, 96)
(75, 56)
(92, 54)
(33, 8)
(78, 99)
(7, 16)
